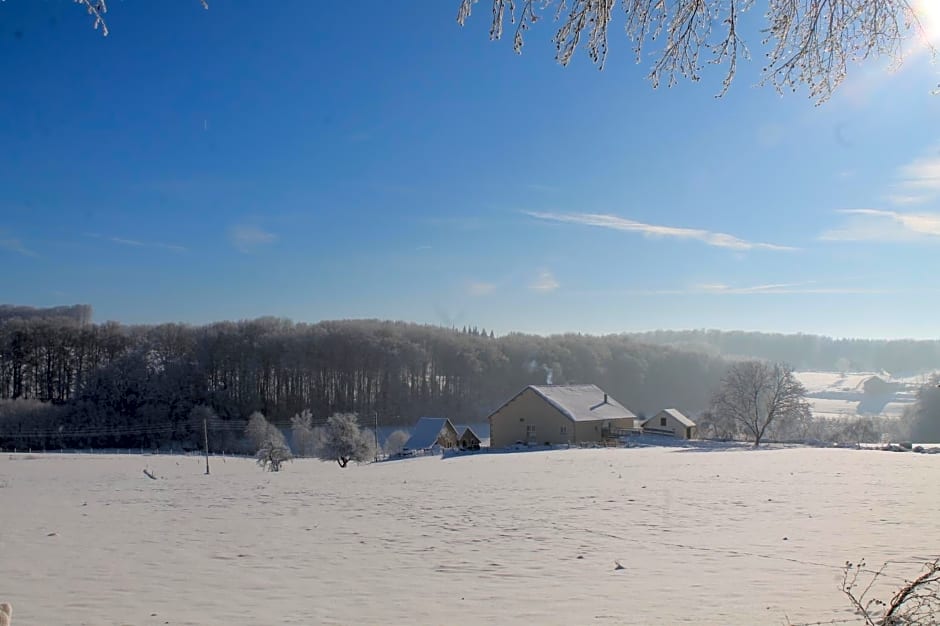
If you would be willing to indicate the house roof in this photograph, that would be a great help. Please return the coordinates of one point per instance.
(582, 403)
(426, 431)
(463, 433)
(676, 414)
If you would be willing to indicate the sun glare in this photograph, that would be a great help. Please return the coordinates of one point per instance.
(928, 14)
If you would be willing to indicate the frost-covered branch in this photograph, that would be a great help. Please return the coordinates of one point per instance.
(98, 8)
(810, 43)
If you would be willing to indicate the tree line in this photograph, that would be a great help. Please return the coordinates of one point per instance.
(66, 382)
(806, 352)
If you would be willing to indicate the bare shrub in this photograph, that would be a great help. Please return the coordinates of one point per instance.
(917, 602)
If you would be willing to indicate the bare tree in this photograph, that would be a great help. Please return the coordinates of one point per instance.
(755, 394)
(810, 42)
(342, 441)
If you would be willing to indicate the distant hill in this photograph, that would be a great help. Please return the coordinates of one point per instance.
(80, 313)
(806, 352)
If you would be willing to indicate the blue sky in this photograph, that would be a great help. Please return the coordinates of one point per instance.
(340, 160)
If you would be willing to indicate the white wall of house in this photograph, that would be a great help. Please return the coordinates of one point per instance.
(530, 416)
(664, 423)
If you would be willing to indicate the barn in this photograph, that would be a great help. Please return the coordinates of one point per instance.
(553, 414)
(671, 422)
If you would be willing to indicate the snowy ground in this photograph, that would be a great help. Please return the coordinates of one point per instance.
(840, 395)
(731, 536)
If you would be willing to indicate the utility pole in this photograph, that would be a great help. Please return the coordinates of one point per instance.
(375, 431)
(205, 434)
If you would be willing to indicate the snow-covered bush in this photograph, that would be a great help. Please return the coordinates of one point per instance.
(396, 441)
(272, 450)
(273, 453)
(257, 429)
(341, 440)
(302, 430)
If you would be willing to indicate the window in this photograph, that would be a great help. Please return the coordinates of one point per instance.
(564, 430)
(662, 421)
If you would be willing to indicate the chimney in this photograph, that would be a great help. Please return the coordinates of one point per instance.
(605, 397)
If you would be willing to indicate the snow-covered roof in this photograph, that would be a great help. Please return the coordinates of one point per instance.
(676, 414)
(582, 403)
(426, 431)
(465, 431)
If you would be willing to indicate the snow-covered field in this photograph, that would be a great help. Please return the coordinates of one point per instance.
(841, 395)
(728, 536)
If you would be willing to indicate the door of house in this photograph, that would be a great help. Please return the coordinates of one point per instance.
(530, 435)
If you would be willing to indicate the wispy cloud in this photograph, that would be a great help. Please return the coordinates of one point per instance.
(723, 289)
(614, 222)
(12, 244)
(545, 282)
(810, 287)
(922, 173)
(249, 238)
(902, 198)
(917, 181)
(136, 243)
(479, 288)
(887, 226)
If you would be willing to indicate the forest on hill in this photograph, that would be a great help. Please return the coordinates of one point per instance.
(806, 352)
(67, 382)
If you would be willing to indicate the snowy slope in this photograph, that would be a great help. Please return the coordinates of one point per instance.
(720, 537)
(842, 395)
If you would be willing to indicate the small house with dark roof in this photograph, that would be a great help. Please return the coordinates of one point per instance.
(671, 422)
(554, 414)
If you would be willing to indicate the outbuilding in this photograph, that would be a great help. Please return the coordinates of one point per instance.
(671, 422)
(469, 440)
(430, 432)
(554, 414)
